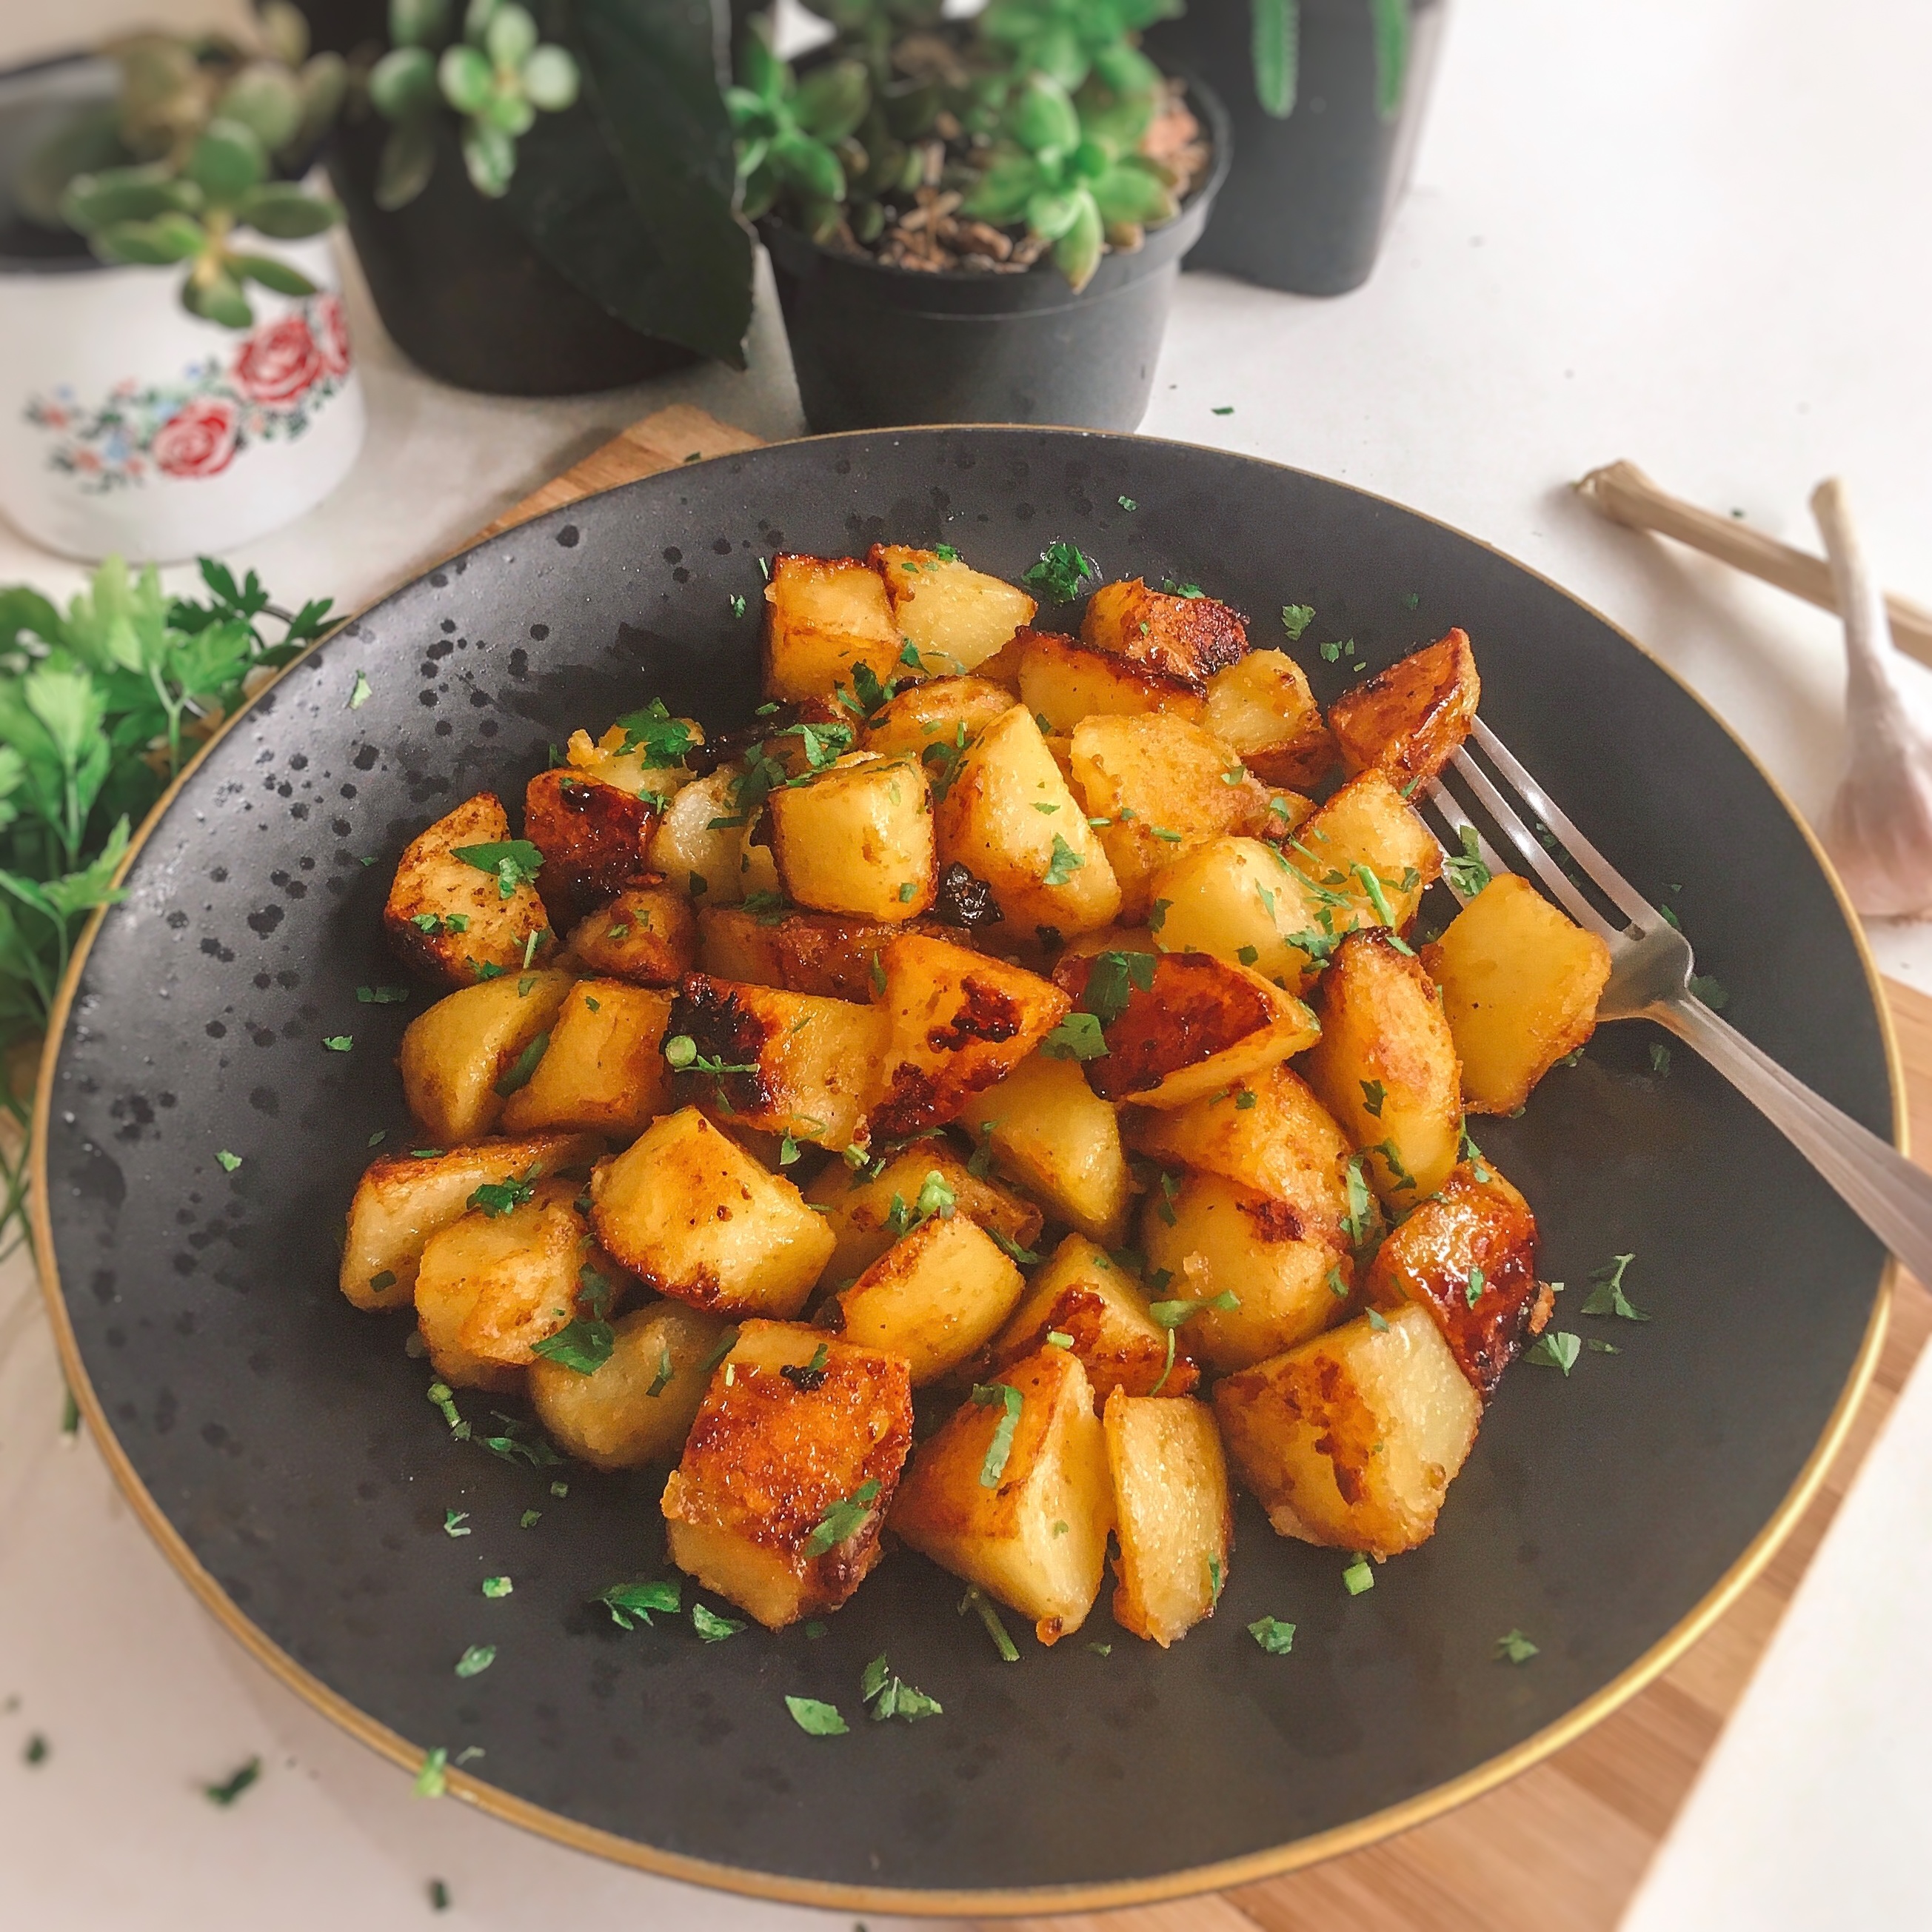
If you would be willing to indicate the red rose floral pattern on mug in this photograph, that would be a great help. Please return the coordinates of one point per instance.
(277, 379)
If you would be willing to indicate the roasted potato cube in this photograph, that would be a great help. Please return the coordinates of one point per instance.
(856, 838)
(1185, 639)
(1352, 1439)
(1195, 1026)
(998, 1521)
(447, 918)
(1173, 1514)
(1409, 721)
(648, 933)
(1386, 1067)
(1063, 682)
(800, 1436)
(935, 721)
(1288, 1270)
(699, 844)
(1009, 819)
(866, 1216)
(954, 616)
(960, 1021)
(1161, 785)
(1241, 900)
(462, 1059)
(638, 1406)
(1060, 1141)
(808, 1067)
(604, 1070)
(644, 753)
(938, 1297)
(402, 1200)
(1367, 825)
(1520, 981)
(1468, 1255)
(820, 952)
(693, 1215)
(1082, 1293)
(593, 836)
(826, 616)
(493, 1285)
(1261, 709)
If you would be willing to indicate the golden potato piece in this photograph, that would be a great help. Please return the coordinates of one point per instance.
(825, 617)
(1061, 681)
(463, 1058)
(638, 1406)
(1240, 900)
(808, 1067)
(867, 1216)
(823, 953)
(1173, 1514)
(1261, 709)
(935, 721)
(1520, 982)
(1385, 1066)
(1367, 825)
(699, 843)
(856, 838)
(938, 1297)
(648, 933)
(1352, 1439)
(1185, 640)
(693, 1215)
(644, 754)
(1409, 721)
(788, 1472)
(1009, 819)
(960, 1021)
(446, 917)
(1060, 1141)
(593, 837)
(956, 617)
(1084, 1295)
(403, 1199)
(604, 1070)
(996, 1520)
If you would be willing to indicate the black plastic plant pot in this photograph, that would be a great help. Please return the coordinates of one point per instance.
(875, 347)
(1310, 195)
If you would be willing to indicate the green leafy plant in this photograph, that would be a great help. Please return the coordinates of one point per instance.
(1277, 47)
(1068, 40)
(789, 131)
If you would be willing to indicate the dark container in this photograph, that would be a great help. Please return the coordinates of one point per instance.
(875, 347)
(1309, 197)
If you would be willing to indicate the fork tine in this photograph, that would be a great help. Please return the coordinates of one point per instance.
(1609, 880)
(1526, 842)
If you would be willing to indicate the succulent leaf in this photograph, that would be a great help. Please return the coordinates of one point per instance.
(284, 31)
(832, 101)
(511, 37)
(476, 19)
(1000, 194)
(1127, 70)
(1077, 253)
(464, 77)
(125, 194)
(418, 23)
(408, 159)
(402, 83)
(217, 298)
(1390, 18)
(1042, 115)
(324, 82)
(167, 238)
(271, 274)
(508, 111)
(807, 165)
(227, 161)
(1131, 191)
(287, 211)
(491, 157)
(1275, 29)
(264, 98)
(1053, 212)
(550, 79)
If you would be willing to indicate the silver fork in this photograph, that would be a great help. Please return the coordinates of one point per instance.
(1650, 974)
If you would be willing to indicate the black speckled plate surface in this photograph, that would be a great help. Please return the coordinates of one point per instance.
(279, 1444)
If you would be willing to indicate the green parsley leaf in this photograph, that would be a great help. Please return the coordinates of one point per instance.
(512, 861)
(1063, 865)
(631, 1604)
(1472, 1288)
(1112, 980)
(1555, 1348)
(662, 739)
(976, 1600)
(1608, 1298)
(711, 1627)
(360, 692)
(529, 1518)
(737, 604)
(1248, 956)
(430, 1780)
(1659, 1058)
(439, 1393)
(1466, 874)
(383, 996)
(1171, 1314)
(1224, 408)
(339, 1042)
(524, 1065)
(1076, 1037)
(439, 1895)
(1058, 1338)
(1217, 1578)
(1359, 1575)
(1021, 1257)
(1273, 1635)
(1596, 1347)
(454, 1521)
(817, 1720)
(843, 1519)
(1296, 618)
(1377, 1321)
(1157, 914)
(237, 1780)
(499, 1197)
(891, 1696)
(496, 1587)
(1358, 1224)
(477, 1659)
(1710, 991)
(1337, 1287)
(1001, 1447)
(230, 1161)
(582, 1346)
(1373, 1094)
(1515, 1647)
(1060, 572)
(946, 553)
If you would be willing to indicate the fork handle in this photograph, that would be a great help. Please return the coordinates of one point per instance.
(1893, 1198)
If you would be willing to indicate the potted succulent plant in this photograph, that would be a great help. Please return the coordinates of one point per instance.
(1327, 98)
(177, 375)
(978, 222)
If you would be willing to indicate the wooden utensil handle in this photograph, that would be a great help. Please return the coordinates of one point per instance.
(1622, 492)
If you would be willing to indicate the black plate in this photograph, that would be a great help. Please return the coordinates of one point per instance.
(284, 1444)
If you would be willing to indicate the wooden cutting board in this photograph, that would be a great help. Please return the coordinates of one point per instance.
(1562, 1848)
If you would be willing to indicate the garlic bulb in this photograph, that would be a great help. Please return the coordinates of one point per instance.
(1879, 830)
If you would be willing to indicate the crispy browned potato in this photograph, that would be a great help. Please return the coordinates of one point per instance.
(603, 1071)
(956, 617)
(1261, 708)
(1367, 823)
(826, 616)
(1005, 1535)
(1199, 1025)
(693, 1215)
(648, 933)
(402, 1199)
(856, 838)
(1061, 681)
(1409, 721)
(824, 953)
(649, 760)
(1385, 1066)
(866, 1216)
(593, 836)
(1520, 982)
(800, 1436)
(1009, 819)
(1173, 1514)
(699, 843)
(1352, 1439)
(926, 720)
(462, 1059)
(1082, 1293)
(960, 1021)
(1184, 639)
(1060, 1141)
(808, 1067)
(1468, 1255)
(1241, 900)
(447, 918)
(638, 1407)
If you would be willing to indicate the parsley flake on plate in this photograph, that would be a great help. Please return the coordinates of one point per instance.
(711, 1627)
(1608, 1298)
(977, 1600)
(1555, 1348)
(1273, 1635)
(431, 1778)
(1360, 1576)
(477, 1659)
(339, 1042)
(817, 1719)
(631, 1604)
(230, 1161)
(494, 1587)
(453, 1523)
(1062, 568)
(231, 1786)
(1296, 618)
(1515, 1647)
(891, 1696)
(360, 692)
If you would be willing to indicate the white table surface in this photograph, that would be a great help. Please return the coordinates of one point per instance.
(1692, 232)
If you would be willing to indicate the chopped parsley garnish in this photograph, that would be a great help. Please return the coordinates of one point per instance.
(1596, 1347)
(1011, 1249)
(1556, 1349)
(891, 1696)
(1076, 1037)
(584, 1346)
(1170, 1315)
(1659, 1058)
(1296, 618)
(1337, 1287)
(1060, 572)
(431, 1779)
(522, 1066)
(1112, 981)
(339, 1042)
(1058, 1338)
(1517, 1648)
(1467, 1149)
(1378, 1322)
(1248, 956)
(1063, 865)
(1466, 874)
(661, 738)
(439, 1393)
(1358, 1224)
(455, 1522)
(510, 861)
(439, 1895)
(1400, 1176)
(976, 1600)
(1273, 1635)
(631, 1604)
(1157, 914)
(1224, 408)
(711, 1627)
(1710, 991)
(1217, 1578)
(946, 553)
(496, 1587)
(808, 1376)
(237, 1780)
(815, 1719)
(1358, 1576)
(434, 924)
(518, 1442)
(499, 1197)
(230, 1161)
(1373, 1094)
(1372, 886)
(360, 692)
(737, 604)
(1472, 1288)
(1608, 1298)
(477, 1659)
(843, 1519)
(383, 996)
(988, 1395)
(1098, 1649)
(681, 1051)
